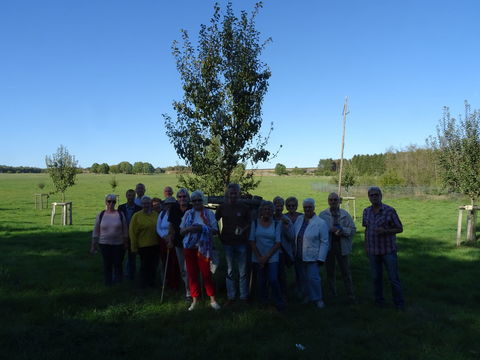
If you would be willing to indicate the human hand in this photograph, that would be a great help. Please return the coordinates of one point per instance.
(93, 249)
(262, 260)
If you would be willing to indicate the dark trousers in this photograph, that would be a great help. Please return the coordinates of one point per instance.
(282, 275)
(131, 267)
(376, 266)
(335, 255)
(112, 262)
(149, 259)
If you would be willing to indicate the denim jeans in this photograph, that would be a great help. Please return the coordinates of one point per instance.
(112, 262)
(268, 276)
(236, 253)
(376, 266)
(311, 285)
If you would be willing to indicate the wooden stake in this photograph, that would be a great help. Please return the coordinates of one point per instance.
(345, 112)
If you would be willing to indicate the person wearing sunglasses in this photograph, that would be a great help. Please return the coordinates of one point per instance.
(110, 233)
(198, 227)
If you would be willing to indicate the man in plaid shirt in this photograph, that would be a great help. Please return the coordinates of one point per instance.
(381, 224)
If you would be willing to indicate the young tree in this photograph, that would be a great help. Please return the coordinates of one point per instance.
(62, 168)
(219, 118)
(457, 147)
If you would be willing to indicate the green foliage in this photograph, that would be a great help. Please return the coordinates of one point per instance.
(62, 168)
(125, 167)
(95, 168)
(298, 171)
(281, 169)
(219, 118)
(326, 167)
(391, 178)
(369, 164)
(113, 184)
(349, 176)
(103, 168)
(138, 167)
(114, 169)
(41, 185)
(148, 168)
(457, 147)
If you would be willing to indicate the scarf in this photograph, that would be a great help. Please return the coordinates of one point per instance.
(203, 239)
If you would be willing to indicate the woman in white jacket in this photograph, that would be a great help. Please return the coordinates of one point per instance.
(311, 248)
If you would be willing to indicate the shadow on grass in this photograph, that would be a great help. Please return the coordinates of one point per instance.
(55, 307)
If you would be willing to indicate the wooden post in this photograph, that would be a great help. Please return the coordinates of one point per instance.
(459, 226)
(345, 112)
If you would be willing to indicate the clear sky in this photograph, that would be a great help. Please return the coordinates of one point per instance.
(96, 76)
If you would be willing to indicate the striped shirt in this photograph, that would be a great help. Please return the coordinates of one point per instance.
(387, 218)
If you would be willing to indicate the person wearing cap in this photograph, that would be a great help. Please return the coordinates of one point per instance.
(110, 233)
(341, 231)
(145, 241)
(164, 232)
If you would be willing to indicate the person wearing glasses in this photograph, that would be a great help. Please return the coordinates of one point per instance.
(145, 241)
(292, 205)
(175, 240)
(198, 227)
(110, 233)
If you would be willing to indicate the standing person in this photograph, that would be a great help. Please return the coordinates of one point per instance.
(341, 231)
(286, 250)
(198, 227)
(128, 209)
(381, 224)
(140, 190)
(165, 234)
(265, 240)
(157, 205)
(234, 237)
(175, 216)
(111, 234)
(311, 248)
(144, 240)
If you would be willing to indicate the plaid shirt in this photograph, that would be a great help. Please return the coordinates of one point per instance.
(386, 218)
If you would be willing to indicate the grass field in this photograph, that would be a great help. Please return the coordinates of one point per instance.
(54, 306)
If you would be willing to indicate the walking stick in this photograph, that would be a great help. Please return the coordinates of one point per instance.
(165, 275)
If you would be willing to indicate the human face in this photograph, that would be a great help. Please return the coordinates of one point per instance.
(334, 202)
(267, 212)
(110, 203)
(147, 205)
(232, 195)
(140, 190)
(156, 206)
(182, 199)
(130, 196)
(167, 192)
(308, 210)
(197, 203)
(375, 197)
(291, 207)
(278, 207)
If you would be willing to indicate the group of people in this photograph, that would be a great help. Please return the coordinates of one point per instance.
(265, 241)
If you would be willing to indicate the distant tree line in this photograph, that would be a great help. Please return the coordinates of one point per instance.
(138, 167)
(20, 169)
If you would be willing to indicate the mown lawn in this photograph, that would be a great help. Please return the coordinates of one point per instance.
(54, 306)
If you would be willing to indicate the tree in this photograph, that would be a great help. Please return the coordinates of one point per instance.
(138, 167)
(95, 168)
(280, 169)
(62, 168)
(103, 168)
(114, 169)
(298, 171)
(125, 167)
(457, 148)
(148, 168)
(219, 118)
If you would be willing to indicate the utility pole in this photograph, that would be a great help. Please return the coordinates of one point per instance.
(345, 112)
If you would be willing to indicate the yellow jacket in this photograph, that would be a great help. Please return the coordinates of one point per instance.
(142, 230)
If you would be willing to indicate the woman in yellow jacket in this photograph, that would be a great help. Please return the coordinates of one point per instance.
(145, 241)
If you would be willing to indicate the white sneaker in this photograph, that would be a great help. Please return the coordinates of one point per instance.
(320, 304)
(193, 305)
(214, 305)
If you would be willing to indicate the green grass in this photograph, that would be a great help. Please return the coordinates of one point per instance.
(54, 306)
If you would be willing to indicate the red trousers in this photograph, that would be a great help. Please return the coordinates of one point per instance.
(196, 263)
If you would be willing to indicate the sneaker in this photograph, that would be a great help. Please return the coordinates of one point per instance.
(320, 304)
(193, 306)
(214, 305)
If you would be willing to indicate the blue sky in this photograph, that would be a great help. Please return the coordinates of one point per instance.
(97, 75)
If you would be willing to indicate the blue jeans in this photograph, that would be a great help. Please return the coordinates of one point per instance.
(236, 253)
(311, 284)
(268, 275)
(376, 266)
